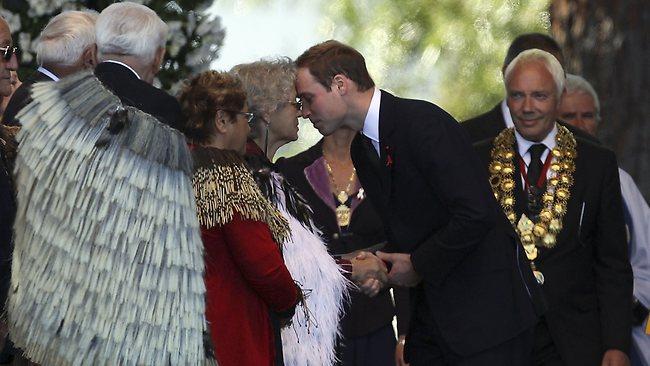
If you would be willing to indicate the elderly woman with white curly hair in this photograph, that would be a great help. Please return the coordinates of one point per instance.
(271, 96)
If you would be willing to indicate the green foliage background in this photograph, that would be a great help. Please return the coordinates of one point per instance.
(446, 51)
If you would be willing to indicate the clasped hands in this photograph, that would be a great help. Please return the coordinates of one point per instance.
(370, 273)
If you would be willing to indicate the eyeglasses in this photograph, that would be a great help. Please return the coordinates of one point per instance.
(249, 115)
(9, 51)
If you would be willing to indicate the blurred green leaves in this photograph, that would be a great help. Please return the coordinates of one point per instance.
(446, 51)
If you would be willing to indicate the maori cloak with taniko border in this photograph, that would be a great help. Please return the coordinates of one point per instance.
(108, 262)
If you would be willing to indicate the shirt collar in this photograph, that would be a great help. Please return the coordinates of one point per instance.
(47, 73)
(125, 65)
(371, 124)
(506, 114)
(523, 145)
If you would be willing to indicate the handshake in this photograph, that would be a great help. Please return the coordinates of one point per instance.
(371, 274)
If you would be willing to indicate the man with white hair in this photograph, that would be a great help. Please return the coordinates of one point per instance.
(581, 108)
(562, 195)
(66, 45)
(130, 48)
(489, 124)
(108, 259)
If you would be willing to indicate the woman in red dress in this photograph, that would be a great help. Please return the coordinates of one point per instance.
(245, 275)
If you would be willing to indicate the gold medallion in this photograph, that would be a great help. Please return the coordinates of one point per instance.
(539, 277)
(554, 200)
(342, 197)
(343, 215)
(343, 211)
(531, 251)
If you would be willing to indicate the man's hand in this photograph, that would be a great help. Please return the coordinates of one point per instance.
(614, 357)
(369, 273)
(399, 352)
(402, 272)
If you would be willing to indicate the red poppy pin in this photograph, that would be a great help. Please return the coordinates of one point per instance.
(389, 157)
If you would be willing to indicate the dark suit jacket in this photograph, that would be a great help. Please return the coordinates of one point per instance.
(588, 278)
(436, 204)
(489, 124)
(363, 315)
(139, 94)
(21, 97)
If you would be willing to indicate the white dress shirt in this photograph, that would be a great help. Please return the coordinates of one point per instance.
(371, 123)
(47, 73)
(506, 114)
(125, 65)
(523, 145)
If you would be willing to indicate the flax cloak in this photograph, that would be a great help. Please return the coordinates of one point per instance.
(108, 262)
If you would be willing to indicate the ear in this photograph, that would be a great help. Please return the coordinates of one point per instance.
(158, 60)
(266, 118)
(221, 122)
(89, 57)
(340, 84)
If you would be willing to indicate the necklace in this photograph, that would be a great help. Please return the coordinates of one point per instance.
(542, 233)
(343, 212)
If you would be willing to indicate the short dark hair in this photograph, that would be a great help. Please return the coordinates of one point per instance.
(529, 41)
(326, 60)
(203, 95)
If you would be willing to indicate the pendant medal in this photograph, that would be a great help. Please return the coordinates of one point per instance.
(343, 215)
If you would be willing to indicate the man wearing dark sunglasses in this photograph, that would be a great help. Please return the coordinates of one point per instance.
(8, 63)
(8, 60)
(66, 45)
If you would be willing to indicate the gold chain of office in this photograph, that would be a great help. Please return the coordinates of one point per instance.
(542, 233)
(343, 211)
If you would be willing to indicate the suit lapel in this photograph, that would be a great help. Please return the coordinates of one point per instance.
(368, 168)
(388, 117)
(571, 222)
(520, 196)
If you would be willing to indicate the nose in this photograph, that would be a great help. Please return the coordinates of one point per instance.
(528, 104)
(12, 64)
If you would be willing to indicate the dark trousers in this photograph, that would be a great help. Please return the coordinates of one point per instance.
(544, 351)
(425, 347)
(374, 349)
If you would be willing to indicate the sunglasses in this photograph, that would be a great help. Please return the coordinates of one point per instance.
(9, 51)
(249, 115)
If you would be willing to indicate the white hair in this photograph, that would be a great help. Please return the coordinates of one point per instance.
(548, 60)
(65, 37)
(130, 29)
(578, 84)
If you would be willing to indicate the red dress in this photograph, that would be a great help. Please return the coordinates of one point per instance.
(245, 277)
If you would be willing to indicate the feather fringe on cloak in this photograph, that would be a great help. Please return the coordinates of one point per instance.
(108, 261)
(311, 338)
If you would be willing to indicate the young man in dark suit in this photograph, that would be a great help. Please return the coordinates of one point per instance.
(129, 62)
(471, 295)
(489, 124)
(562, 195)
